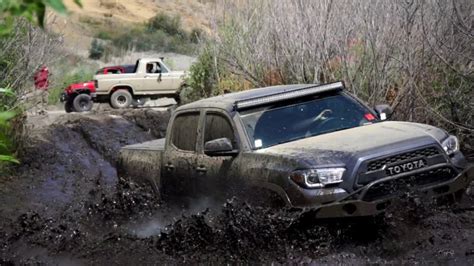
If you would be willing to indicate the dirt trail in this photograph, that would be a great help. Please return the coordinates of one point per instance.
(65, 205)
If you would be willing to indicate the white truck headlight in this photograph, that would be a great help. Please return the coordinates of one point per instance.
(317, 178)
(450, 145)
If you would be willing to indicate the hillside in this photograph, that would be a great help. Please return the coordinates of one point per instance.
(192, 12)
(97, 16)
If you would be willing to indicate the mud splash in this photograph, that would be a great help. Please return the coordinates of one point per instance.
(65, 205)
(242, 233)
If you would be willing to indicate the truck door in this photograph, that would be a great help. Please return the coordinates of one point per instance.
(217, 175)
(156, 78)
(180, 154)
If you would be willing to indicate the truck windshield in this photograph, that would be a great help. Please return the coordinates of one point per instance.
(284, 122)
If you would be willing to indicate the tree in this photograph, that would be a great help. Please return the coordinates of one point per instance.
(415, 54)
(17, 38)
(33, 10)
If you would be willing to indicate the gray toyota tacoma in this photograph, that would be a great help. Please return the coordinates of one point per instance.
(307, 146)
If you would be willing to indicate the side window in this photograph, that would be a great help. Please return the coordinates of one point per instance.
(184, 131)
(218, 126)
(153, 68)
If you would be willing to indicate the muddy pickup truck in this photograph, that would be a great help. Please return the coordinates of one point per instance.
(305, 146)
(150, 79)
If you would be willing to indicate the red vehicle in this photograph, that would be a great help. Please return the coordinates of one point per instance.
(79, 97)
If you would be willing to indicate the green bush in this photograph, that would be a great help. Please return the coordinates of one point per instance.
(6, 145)
(103, 35)
(168, 24)
(6, 115)
(34, 11)
(202, 79)
(97, 50)
(162, 33)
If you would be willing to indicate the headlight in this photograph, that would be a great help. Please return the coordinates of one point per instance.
(450, 145)
(317, 178)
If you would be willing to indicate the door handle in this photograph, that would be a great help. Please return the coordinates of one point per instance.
(201, 169)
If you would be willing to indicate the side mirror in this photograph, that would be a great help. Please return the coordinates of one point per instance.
(219, 147)
(384, 111)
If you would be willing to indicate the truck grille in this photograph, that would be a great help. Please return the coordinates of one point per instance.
(405, 183)
(379, 164)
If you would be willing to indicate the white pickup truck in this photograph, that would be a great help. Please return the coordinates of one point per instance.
(150, 79)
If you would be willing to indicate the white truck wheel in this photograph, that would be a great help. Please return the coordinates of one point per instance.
(121, 99)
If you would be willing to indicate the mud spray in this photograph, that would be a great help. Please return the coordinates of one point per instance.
(64, 205)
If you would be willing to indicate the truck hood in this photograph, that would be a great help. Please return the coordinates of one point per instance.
(341, 147)
(83, 85)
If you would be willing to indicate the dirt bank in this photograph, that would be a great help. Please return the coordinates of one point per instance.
(64, 205)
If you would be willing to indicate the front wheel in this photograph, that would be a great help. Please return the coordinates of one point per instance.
(82, 103)
(121, 99)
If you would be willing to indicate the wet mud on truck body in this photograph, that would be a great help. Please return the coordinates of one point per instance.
(304, 146)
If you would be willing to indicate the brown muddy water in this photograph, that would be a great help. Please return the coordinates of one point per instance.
(64, 205)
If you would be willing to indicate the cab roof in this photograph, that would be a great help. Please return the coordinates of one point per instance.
(255, 97)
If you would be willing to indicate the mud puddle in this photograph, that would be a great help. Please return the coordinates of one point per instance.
(65, 205)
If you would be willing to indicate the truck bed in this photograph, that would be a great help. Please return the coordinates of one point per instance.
(153, 145)
(142, 162)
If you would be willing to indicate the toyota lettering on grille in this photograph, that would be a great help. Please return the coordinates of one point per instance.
(405, 167)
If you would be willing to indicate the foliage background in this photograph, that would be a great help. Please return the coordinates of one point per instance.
(24, 48)
(417, 55)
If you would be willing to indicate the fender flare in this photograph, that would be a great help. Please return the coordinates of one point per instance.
(120, 87)
(76, 92)
(275, 189)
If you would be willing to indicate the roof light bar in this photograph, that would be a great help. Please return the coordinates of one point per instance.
(288, 95)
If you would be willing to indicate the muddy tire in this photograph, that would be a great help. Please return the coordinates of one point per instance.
(121, 99)
(82, 103)
(68, 107)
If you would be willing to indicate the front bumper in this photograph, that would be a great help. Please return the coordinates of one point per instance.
(66, 97)
(353, 206)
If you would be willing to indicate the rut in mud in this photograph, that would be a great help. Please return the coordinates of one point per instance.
(64, 204)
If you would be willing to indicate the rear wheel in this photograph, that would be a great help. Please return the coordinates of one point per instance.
(121, 99)
(82, 103)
